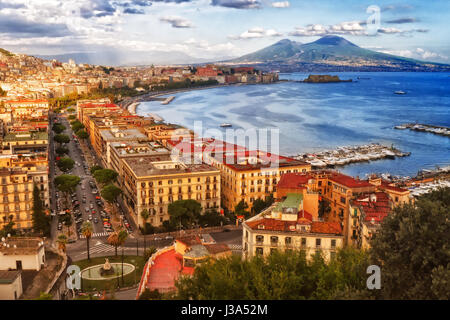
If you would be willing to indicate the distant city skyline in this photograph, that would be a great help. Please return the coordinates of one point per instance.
(218, 29)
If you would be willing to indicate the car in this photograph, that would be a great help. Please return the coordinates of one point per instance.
(168, 238)
(83, 187)
(157, 239)
(95, 191)
(95, 220)
(91, 205)
(93, 211)
(90, 217)
(103, 213)
(83, 200)
(86, 209)
(59, 226)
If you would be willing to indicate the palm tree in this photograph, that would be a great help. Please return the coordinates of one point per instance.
(86, 230)
(117, 239)
(62, 241)
(113, 240)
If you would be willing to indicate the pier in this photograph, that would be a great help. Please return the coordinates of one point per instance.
(351, 154)
(439, 130)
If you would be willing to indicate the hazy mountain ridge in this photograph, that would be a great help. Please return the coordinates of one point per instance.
(334, 53)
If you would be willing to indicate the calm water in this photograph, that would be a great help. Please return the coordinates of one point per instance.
(313, 117)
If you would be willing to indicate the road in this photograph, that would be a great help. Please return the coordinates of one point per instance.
(82, 189)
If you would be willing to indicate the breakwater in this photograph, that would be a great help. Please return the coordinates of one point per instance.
(443, 131)
(351, 154)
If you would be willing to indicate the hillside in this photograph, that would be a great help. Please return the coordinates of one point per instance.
(332, 53)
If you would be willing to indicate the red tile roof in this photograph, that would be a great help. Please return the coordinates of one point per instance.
(326, 227)
(293, 181)
(373, 210)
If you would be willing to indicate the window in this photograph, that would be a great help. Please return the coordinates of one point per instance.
(318, 241)
(259, 250)
(303, 242)
(333, 243)
(288, 240)
(259, 238)
(274, 240)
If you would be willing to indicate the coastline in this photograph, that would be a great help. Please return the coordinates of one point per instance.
(133, 102)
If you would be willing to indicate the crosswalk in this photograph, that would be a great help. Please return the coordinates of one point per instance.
(235, 246)
(97, 235)
(104, 247)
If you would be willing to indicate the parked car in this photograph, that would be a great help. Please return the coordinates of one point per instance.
(83, 200)
(168, 238)
(93, 211)
(95, 220)
(91, 205)
(158, 239)
(86, 209)
(90, 217)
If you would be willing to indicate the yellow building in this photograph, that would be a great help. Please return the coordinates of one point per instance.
(285, 226)
(251, 175)
(16, 200)
(154, 182)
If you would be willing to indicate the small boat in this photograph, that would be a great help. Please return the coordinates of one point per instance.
(399, 92)
(401, 127)
(226, 125)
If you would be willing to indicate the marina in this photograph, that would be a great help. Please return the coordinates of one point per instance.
(443, 131)
(351, 154)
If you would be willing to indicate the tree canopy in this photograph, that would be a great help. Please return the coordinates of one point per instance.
(82, 134)
(65, 164)
(184, 213)
(58, 128)
(95, 168)
(62, 138)
(67, 183)
(105, 176)
(279, 276)
(412, 246)
(41, 221)
(110, 193)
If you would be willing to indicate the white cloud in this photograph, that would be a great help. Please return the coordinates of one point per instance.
(354, 28)
(177, 22)
(256, 32)
(281, 4)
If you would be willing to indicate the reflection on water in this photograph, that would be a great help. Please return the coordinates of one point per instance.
(313, 117)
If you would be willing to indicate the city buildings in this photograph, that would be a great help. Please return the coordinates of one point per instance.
(285, 226)
(153, 182)
(22, 253)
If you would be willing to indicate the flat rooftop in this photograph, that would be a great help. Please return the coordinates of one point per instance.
(163, 165)
(133, 149)
(115, 134)
(26, 136)
(20, 245)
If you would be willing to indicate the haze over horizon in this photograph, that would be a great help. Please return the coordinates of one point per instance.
(189, 31)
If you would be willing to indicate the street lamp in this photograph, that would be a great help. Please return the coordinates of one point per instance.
(122, 267)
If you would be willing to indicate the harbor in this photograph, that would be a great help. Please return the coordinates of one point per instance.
(443, 131)
(351, 154)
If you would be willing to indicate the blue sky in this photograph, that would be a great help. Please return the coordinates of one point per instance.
(215, 29)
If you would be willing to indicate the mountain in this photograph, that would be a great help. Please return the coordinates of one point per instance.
(127, 58)
(331, 53)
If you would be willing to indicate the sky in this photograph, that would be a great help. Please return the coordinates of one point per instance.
(217, 29)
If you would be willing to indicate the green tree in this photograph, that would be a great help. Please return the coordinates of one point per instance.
(145, 215)
(211, 218)
(76, 125)
(110, 193)
(241, 209)
(95, 168)
(41, 221)
(61, 151)
(105, 176)
(71, 117)
(70, 110)
(82, 134)
(279, 276)
(184, 212)
(58, 128)
(62, 138)
(65, 164)
(259, 205)
(66, 183)
(412, 245)
(86, 231)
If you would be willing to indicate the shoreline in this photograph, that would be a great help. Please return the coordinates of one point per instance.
(135, 101)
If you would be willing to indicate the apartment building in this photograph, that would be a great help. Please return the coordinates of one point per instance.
(287, 226)
(16, 200)
(153, 183)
